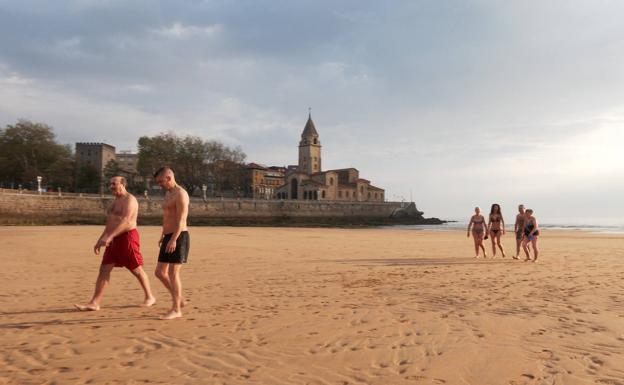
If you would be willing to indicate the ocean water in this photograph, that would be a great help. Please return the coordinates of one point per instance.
(462, 225)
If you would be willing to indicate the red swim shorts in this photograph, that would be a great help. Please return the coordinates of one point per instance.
(124, 251)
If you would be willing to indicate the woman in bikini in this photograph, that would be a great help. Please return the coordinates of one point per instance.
(496, 224)
(531, 233)
(479, 231)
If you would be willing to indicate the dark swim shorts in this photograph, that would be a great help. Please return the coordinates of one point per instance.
(180, 254)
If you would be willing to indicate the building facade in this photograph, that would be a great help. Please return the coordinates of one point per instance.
(261, 182)
(94, 157)
(307, 181)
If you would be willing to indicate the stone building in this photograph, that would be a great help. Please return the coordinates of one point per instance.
(128, 162)
(307, 181)
(128, 165)
(261, 181)
(94, 156)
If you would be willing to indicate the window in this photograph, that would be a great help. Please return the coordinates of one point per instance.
(340, 194)
(314, 140)
(331, 181)
(323, 194)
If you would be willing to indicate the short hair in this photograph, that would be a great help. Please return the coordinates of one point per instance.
(122, 180)
(520, 206)
(162, 170)
(529, 211)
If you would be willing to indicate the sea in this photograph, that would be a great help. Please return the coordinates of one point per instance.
(453, 225)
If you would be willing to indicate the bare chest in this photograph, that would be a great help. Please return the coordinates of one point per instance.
(169, 203)
(116, 208)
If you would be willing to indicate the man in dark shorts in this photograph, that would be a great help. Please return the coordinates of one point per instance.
(174, 240)
(121, 240)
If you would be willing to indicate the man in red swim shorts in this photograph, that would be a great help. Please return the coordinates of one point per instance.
(121, 240)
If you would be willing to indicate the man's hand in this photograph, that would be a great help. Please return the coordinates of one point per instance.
(160, 240)
(171, 246)
(99, 244)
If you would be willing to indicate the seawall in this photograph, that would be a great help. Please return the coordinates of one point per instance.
(16, 208)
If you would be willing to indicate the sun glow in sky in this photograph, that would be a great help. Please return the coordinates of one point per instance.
(456, 103)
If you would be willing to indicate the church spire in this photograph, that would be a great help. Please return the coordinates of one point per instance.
(310, 148)
(310, 129)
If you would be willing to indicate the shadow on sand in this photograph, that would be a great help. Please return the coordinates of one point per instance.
(66, 322)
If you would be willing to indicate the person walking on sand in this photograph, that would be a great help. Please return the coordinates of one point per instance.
(531, 234)
(174, 241)
(496, 224)
(479, 231)
(519, 229)
(121, 240)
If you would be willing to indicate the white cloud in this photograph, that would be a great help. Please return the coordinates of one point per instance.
(181, 31)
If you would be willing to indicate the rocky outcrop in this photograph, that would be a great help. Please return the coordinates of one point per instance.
(410, 215)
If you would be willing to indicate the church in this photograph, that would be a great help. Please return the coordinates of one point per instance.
(307, 181)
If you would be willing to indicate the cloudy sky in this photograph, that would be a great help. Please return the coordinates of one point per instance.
(454, 103)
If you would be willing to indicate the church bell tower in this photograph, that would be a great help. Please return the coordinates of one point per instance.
(309, 149)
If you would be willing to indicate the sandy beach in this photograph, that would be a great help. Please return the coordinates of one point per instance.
(316, 306)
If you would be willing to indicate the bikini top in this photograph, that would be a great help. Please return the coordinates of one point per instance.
(495, 220)
(480, 221)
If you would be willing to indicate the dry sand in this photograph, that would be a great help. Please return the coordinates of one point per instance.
(316, 306)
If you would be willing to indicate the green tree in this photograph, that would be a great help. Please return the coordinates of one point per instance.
(28, 150)
(112, 169)
(195, 161)
(88, 179)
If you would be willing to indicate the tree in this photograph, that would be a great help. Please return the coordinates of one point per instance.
(112, 169)
(28, 150)
(194, 161)
(88, 179)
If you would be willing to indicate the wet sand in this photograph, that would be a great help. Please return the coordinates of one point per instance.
(316, 306)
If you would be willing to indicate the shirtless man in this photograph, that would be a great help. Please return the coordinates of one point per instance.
(121, 240)
(174, 241)
(519, 229)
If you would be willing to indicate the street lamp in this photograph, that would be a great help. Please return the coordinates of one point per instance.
(39, 179)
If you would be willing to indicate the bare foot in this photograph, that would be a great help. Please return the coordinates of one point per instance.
(148, 302)
(527, 259)
(171, 315)
(504, 256)
(87, 307)
(515, 257)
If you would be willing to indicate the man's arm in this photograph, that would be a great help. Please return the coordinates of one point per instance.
(181, 204)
